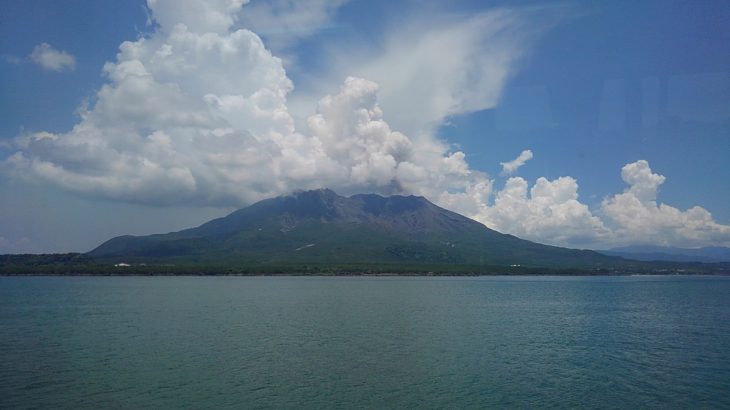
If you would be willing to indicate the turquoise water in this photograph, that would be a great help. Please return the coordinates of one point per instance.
(383, 342)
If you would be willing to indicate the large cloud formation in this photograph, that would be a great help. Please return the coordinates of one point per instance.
(197, 113)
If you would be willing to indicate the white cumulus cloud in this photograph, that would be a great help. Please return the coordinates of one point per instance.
(547, 212)
(639, 218)
(197, 113)
(510, 167)
(550, 211)
(51, 59)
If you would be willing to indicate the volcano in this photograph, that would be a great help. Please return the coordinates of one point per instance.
(321, 227)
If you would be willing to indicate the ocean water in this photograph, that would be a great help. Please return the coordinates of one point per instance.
(365, 342)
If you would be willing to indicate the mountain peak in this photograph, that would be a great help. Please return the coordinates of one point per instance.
(319, 192)
(396, 204)
(328, 204)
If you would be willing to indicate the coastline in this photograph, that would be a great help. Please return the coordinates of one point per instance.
(362, 275)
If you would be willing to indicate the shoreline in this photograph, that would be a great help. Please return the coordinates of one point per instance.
(385, 275)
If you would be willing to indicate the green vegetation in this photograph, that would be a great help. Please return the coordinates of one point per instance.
(78, 264)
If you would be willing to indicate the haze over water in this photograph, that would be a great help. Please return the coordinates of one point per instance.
(374, 342)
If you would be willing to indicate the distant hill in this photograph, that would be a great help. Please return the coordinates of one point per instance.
(663, 253)
(321, 227)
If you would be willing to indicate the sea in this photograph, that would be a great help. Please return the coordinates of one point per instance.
(619, 342)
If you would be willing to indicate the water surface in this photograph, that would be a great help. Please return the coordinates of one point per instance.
(366, 342)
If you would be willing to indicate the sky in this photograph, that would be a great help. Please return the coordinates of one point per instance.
(581, 124)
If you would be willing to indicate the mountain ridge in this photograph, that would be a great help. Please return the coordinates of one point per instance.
(708, 254)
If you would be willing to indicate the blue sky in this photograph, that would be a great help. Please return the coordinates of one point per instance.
(590, 89)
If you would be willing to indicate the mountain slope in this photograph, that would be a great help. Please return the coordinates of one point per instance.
(325, 228)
